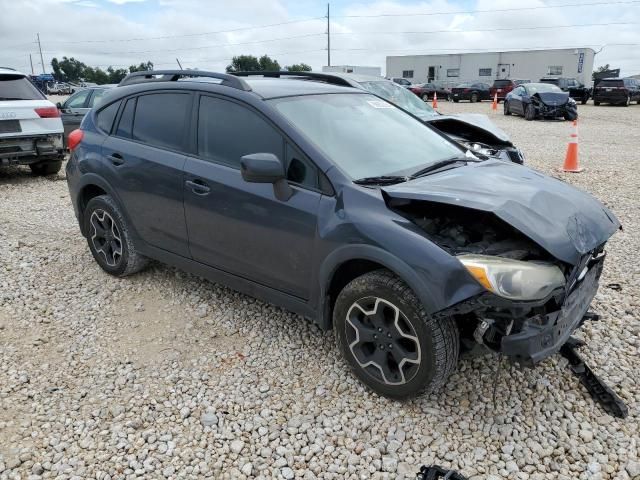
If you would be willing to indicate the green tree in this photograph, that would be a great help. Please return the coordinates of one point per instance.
(244, 63)
(268, 65)
(117, 74)
(68, 69)
(299, 67)
(143, 67)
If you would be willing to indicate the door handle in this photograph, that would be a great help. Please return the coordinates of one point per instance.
(198, 187)
(116, 159)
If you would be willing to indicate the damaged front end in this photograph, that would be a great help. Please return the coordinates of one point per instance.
(530, 307)
(554, 105)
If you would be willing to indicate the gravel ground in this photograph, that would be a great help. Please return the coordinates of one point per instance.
(164, 375)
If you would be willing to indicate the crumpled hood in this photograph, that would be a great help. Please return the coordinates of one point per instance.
(476, 120)
(565, 221)
(553, 98)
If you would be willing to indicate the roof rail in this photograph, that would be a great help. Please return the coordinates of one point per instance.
(325, 77)
(174, 75)
(8, 68)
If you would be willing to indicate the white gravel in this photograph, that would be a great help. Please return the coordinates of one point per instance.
(164, 375)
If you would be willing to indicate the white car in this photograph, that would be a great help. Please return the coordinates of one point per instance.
(30, 126)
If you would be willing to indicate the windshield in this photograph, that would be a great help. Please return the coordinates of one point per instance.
(501, 83)
(16, 87)
(542, 88)
(364, 135)
(400, 96)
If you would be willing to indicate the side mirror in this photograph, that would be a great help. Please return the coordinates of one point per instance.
(59, 105)
(266, 168)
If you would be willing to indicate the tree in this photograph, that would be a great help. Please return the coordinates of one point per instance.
(268, 65)
(244, 63)
(299, 67)
(143, 67)
(249, 63)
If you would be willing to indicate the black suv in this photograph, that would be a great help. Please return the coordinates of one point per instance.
(337, 205)
(576, 90)
(617, 91)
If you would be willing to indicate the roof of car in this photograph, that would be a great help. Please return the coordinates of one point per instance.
(283, 87)
(10, 71)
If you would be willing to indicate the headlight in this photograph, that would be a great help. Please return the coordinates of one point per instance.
(514, 279)
(571, 100)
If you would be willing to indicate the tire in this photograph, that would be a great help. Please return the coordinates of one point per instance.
(628, 102)
(474, 97)
(530, 112)
(425, 97)
(584, 100)
(102, 211)
(570, 116)
(46, 168)
(431, 347)
(456, 100)
(596, 103)
(506, 108)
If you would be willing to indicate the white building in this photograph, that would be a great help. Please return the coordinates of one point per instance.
(375, 71)
(486, 67)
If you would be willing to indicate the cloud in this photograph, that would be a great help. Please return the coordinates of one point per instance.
(160, 31)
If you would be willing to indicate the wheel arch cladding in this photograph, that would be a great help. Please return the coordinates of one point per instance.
(91, 186)
(352, 261)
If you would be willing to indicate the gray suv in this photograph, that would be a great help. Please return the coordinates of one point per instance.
(335, 204)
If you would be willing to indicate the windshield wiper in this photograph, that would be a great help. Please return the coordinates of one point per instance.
(11, 98)
(440, 164)
(381, 180)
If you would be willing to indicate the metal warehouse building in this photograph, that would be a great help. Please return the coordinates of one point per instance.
(486, 67)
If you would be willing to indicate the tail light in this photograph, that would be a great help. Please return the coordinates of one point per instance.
(74, 139)
(47, 112)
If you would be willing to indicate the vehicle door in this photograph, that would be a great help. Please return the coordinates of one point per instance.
(241, 227)
(516, 99)
(144, 160)
(73, 110)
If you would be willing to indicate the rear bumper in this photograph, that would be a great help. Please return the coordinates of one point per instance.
(610, 97)
(31, 149)
(544, 335)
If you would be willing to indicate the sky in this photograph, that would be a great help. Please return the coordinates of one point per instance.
(206, 34)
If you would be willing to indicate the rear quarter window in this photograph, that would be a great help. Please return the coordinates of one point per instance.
(17, 87)
(106, 116)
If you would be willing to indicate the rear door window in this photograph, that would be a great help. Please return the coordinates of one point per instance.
(126, 119)
(228, 131)
(17, 87)
(160, 119)
(97, 95)
(611, 83)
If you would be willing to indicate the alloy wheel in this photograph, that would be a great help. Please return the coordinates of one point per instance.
(383, 341)
(105, 237)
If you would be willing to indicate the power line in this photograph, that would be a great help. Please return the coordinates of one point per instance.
(496, 10)
(485, 49)
(221, 45)
(163, 37)
(544, 27)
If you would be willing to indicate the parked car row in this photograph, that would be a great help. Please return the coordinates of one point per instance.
(407, 244)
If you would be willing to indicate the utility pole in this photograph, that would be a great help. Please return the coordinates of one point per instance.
(41, 57)
(31, 62)
(179, 64)
(328, 37)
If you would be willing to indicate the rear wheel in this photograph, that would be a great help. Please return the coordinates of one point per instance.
(425, 97)
(46, 168)
(529, 112)
(389, 341)
(628, 101)
(456, 100)
(596, 103)
(506, 108)
(474, 97)
(109, 238)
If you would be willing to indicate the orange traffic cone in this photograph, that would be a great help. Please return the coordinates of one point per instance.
(494, 104)
(434, 104)
(571, 159)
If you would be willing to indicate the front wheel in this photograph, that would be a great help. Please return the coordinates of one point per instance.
(530, 112)
(110, 239)
(389, 341)
(506, 108)
(628, 101)
(425, 97)
(474, 98)
(596, 103)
